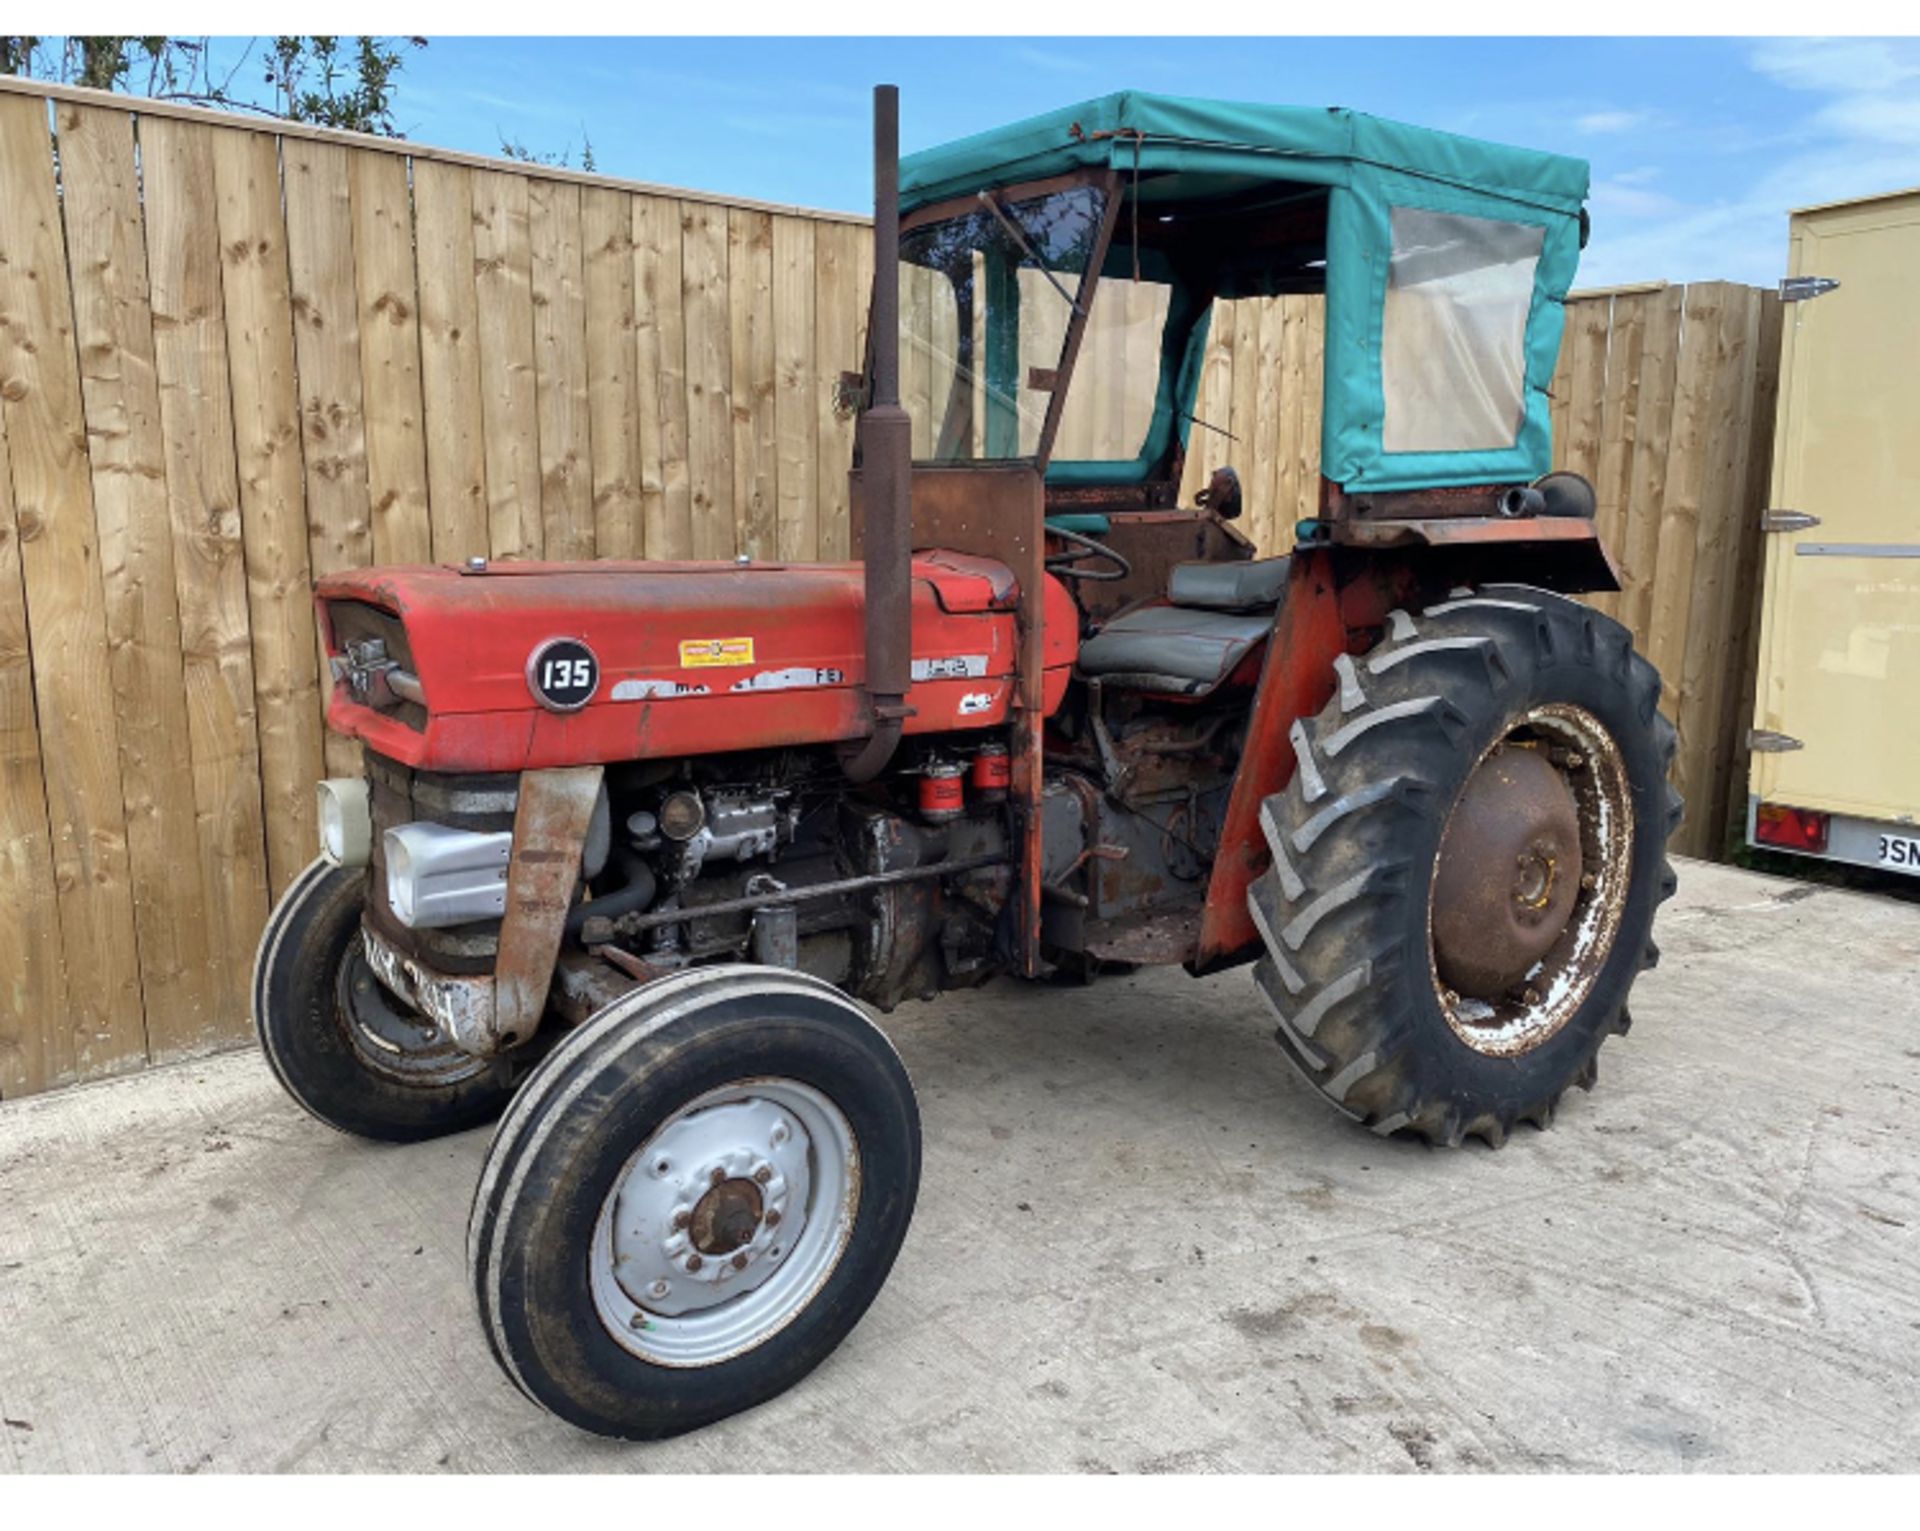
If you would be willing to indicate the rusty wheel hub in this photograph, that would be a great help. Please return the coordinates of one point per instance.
(725, 1218)
(1508, 875)
(1531, 880)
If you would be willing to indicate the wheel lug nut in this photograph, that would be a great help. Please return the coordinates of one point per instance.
(740, 1262)
(762, 1175)
(1589, 881)
(680, 1220)
(718, 1175)
(694, 1262)
(773, 1219)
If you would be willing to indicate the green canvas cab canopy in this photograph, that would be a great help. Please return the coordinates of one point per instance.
(1445, 264)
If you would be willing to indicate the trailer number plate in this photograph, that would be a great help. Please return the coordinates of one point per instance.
(1902, 851)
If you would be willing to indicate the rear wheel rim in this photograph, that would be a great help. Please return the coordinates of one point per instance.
(725, 1224)
(1579, 857)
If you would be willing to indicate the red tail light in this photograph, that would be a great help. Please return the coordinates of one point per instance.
(1793, 829)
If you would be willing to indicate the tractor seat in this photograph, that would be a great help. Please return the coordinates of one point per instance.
(1214, 616)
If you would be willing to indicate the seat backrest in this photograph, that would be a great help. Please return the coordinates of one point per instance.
(1241, 586)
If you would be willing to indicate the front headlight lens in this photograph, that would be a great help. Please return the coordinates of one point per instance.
(346, 821)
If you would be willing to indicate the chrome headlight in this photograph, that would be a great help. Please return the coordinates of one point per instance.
(439, 876)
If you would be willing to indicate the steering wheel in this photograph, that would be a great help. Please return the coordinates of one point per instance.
(1066, 565)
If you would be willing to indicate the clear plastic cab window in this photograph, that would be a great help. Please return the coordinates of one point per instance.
(1453, 342)
(985, 298)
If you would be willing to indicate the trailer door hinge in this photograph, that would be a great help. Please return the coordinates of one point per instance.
(1786, 521)
(1797, 289)
(1765, 741)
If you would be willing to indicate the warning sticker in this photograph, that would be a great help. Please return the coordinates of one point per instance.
(698, 652)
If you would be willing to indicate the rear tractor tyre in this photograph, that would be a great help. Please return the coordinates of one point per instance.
(1466, 865)
(346, 1050)
(693, 1200)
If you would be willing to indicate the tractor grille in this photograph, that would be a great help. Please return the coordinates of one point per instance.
(378, 640)
(483, 802)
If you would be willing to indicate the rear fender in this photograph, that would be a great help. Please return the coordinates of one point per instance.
(1338, 597)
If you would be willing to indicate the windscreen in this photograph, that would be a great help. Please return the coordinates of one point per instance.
(985, 298)
(1453, 340)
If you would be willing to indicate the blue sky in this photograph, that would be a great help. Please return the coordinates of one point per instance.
(1698, 146)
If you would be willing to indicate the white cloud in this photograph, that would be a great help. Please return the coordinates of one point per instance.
(1612, 122)
(1882, 119)
(1618, 194)
(1052, 61)
(1848, 65)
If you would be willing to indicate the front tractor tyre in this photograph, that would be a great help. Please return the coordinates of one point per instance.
(345, 1049)
(1466, 865)
(693, 1200)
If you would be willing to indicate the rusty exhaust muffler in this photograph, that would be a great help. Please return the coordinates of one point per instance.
(885, 440)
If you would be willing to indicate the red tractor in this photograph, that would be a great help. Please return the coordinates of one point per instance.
(637, 841)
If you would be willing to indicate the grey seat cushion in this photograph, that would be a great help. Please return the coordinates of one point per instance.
(1250, 585)
(1172, 649)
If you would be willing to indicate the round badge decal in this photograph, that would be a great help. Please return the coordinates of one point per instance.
(563, 674)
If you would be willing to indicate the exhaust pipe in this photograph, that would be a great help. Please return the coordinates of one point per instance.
(885, 439)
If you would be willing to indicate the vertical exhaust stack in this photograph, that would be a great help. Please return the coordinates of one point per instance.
(886, 465)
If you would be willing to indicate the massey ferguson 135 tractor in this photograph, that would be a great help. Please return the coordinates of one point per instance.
(637, 840)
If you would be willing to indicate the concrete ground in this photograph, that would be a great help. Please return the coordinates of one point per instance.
(1141, 1245)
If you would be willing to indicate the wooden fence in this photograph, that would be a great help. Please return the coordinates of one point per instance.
(233, 359)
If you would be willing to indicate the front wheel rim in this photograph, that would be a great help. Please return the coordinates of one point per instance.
(722, 1228)
(389, 1038)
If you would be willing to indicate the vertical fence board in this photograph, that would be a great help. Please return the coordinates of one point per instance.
(102, 1027)
(659, 229)
(1207, 449)
(750, 344)
(1585, 348)
(1710, 653)
(509, 402)
(836, 300)
(33, 982)
(114, 328)
(326, 333)
(450, 361)
(193, 178)
(560, 369)
(706, 314)
(261, 441)
(1619, 426)
(796, 377)
(1311, 404)
(1270, 420)
(1246, 382)
(389, 322)
(616, 426)
(1680, 527)
(1638, 548)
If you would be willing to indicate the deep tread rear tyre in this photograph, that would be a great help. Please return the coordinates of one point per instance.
(296, 1013)
(1344, 910)
(575, 1130)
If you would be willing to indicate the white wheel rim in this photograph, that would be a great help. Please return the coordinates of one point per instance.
(726, 1223)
